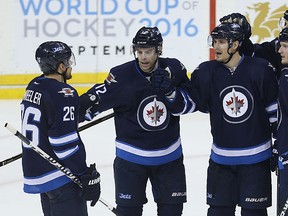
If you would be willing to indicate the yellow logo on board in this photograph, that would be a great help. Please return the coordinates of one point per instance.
(265, 24)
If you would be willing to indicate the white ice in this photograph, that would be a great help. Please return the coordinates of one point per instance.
(99, 141)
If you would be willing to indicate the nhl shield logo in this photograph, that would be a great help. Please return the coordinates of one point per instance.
(237, 103)
(152, 114)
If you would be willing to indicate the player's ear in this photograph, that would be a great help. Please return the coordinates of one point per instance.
(61, 67)
(235, 45)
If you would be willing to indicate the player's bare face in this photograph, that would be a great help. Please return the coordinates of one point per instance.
(283, 50)
(147, 58)
(220, 49)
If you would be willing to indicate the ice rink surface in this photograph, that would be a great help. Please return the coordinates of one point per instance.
(99, 141)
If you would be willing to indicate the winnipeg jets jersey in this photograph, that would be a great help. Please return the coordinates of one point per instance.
(49, 112)
(146, 124)
(242, 105)
(282, 131)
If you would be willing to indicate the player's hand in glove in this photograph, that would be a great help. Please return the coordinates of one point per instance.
(274, 158)
(91, 185)
(89, 99)
(239, 19)
(162, 81)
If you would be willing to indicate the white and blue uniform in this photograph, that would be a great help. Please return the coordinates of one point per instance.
(242, 107)
(49, 112)
(148, 143)
(242, 104)
(147, 125)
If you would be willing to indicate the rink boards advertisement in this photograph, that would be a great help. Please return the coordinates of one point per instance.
(100, 32)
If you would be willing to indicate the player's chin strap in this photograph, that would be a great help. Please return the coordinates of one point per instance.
(230, 56)
(63, 75)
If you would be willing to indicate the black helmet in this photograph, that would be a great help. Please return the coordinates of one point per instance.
(51, 53)
(148, 37)
(229, 31)
(283, 36)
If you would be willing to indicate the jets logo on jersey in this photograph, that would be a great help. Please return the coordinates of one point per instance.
(237, 103)
(67, 92)
(152, 114)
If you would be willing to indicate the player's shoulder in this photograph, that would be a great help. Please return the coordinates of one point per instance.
(255, 62)
(53, 87)
(174, 63)
(207, 66)
(120, 74)
(123, 67)
(259, 68)
(169, 61)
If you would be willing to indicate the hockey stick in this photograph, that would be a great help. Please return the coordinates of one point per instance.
(55, 163)
(9, 160)
(81, 128)
(97, 121)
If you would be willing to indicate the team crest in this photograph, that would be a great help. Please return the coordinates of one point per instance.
(152, 114)
(237, 104)
(67, 92)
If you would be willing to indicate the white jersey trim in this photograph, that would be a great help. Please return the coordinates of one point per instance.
(43, 179)
(148, 153)
(241, 152)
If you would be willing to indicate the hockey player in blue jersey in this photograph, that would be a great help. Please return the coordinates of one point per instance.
(282, 131)
(240, 94)
(266, 50)
(50, 111)
(147, 101)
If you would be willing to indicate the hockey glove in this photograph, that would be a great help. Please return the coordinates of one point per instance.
(91, 185)
(274, 158)
(284, 161)
(89, 99)
(239, 19)
(161, 81)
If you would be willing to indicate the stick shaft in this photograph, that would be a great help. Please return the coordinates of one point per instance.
(97, 121)
(54, 163)
(81, 128)
(9, 160)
